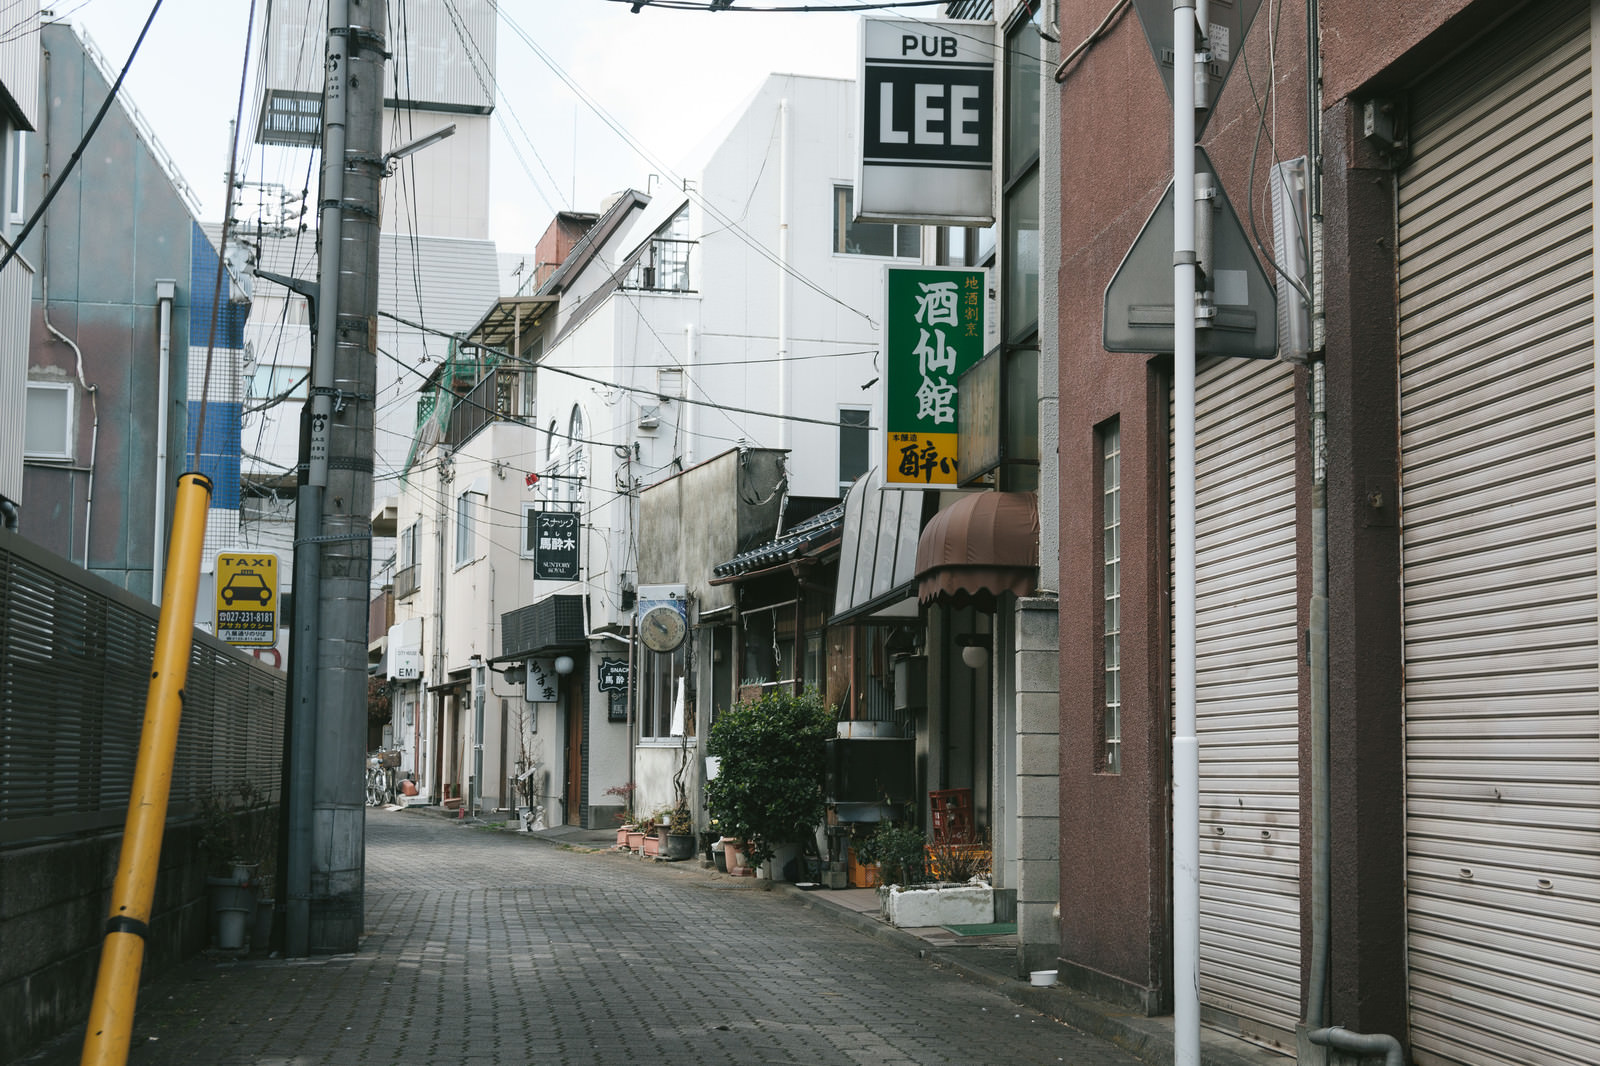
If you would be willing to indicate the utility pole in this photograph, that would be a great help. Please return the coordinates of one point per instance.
(325, 876)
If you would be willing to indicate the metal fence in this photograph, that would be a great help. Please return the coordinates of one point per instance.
(75, 656)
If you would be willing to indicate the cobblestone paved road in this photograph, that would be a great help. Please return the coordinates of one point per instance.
(485, 948)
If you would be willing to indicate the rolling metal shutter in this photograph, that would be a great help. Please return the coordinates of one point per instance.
(1247, 661)
(1498, 501)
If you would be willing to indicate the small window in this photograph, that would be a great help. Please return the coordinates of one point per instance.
(47, 433)
(1111, 592)
(465, 532)
(854, 445)
(870, 238)
(658, 691)
(577, 458)
(408, 546)
(14, 177)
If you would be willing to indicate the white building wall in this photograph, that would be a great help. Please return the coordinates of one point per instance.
(741, 283)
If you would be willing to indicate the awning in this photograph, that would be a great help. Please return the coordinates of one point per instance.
(984, 544)
(878, 550)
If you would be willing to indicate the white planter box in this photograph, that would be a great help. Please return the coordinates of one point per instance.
(945, 904)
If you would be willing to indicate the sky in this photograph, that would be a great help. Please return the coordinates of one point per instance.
(668, 77)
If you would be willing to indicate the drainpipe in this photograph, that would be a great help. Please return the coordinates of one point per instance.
(1317, 667)
(9, 516)
(1364, 1044)
(688, 409)
(44, 308)
(166, 290)
(1317, 642)
(783, 273)
(92, 390)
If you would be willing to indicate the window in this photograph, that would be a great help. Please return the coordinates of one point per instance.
(14, 177)
(464, 529)
(1111, 591)
(577, 458)
(870, 238)
(47, 429)
(854, 445)
(408, 546)
(269, 382)
(663, 264)
(1021, 206)
(554, 446)
(658, 690)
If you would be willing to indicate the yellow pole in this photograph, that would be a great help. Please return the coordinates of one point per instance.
(122, 955)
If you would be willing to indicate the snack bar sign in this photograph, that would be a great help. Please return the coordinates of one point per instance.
(933, 332)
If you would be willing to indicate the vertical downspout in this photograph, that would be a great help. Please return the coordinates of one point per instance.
(1317, 645)
(44, 310)
(783, 273)
(166, 291)
(1185, 742)
(688, 383)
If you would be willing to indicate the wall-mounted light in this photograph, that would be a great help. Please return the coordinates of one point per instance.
(564, 665)
(974, 649)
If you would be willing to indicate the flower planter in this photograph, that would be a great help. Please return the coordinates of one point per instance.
(635, 840)
(939, 904)
(622, 835)
(675, 847)
(652, 845)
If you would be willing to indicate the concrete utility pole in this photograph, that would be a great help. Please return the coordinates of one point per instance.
(326, 806)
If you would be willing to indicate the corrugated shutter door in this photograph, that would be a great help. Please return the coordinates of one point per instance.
(1502, 691)
(1247, 697)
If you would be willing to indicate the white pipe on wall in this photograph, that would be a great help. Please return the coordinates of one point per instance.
(1185, 743)
(783, 273)
(166, 291)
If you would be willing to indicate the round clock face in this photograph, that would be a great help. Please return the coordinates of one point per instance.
(662, 629)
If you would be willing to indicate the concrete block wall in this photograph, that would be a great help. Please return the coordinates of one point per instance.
(54, 898)
(1038, 761)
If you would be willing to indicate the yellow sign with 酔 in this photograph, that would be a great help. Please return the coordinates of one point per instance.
(247, 599)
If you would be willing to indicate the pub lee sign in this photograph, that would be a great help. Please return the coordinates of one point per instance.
(926, 122)
(933, 332)
(552, 542)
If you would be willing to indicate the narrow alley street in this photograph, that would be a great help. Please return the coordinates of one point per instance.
(484, 947)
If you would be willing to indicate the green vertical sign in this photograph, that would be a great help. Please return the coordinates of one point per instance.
(933, 330)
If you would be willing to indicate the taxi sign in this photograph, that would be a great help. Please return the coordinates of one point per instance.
(247, 599)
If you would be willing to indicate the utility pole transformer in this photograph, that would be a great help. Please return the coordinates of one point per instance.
(326, 806)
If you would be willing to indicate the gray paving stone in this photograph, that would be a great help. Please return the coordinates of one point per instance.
(488, 948)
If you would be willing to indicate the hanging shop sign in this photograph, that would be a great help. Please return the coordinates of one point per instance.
(933, 332)
(612, 675)
(926, 122)
(552, 540)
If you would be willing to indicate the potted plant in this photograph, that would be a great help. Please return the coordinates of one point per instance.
(625, 817)
(677, 841)
(238, 833)
(768, 788)
(677, 830)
